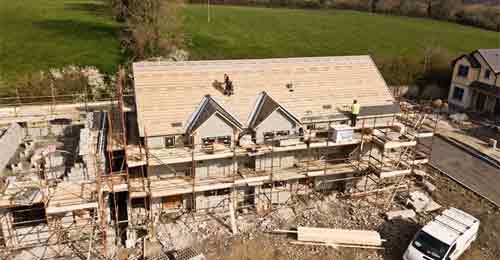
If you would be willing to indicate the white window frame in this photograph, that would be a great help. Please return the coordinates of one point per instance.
(487, 74)
(457, 88)
(172, 137)
(465, 67)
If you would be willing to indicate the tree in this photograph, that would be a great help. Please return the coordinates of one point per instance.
(154, 26)
(446, 9)
(373, 5)
(408, 7)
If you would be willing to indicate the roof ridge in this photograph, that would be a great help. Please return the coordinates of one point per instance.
(140, 64)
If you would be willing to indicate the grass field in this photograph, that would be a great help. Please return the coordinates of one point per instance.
(244, 32)
(42, 34)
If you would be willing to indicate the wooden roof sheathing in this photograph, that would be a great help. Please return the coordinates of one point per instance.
(167, 93)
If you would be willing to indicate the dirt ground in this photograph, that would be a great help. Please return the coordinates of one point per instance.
(451, 194)
(254, 243)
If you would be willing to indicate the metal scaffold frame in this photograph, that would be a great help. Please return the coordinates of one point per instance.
(49, 235)
(407, 156)
(415, 121)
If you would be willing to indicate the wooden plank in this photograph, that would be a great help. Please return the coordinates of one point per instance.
(232, 213)
(57, 210)
(335, 245)
(340, 236)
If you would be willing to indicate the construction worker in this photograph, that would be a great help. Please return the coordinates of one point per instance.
(228, 90)
(354, 112)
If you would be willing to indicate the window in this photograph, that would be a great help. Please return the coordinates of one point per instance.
(224, 140)
(219, 139)
(268, 136)
(188, 172)
(170, 141)
(322, 134)
(458, 93)
(220, 192)
(279, 184)
(304, 181)
(28, 216)
(283, 133)
(430, 246)
(463, 71)
(487, 74)
(452, 250)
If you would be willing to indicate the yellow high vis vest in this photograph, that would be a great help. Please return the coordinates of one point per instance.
(355, 109)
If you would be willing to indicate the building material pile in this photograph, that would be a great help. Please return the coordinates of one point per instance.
(421, 202)
(339, 237)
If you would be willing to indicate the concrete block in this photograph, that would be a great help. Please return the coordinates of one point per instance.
(429, 186)
(420, 173)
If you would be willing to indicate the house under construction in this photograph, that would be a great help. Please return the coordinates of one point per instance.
(89, 178)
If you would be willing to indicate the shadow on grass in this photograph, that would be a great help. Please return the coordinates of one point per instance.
(78, 29)
(91, 8)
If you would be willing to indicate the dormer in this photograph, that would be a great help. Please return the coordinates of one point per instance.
(212, 124)
(270, 120)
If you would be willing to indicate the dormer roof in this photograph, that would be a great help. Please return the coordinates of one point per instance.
(207, 108)
(264, 107)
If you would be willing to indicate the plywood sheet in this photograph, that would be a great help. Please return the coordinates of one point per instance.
(167, 93)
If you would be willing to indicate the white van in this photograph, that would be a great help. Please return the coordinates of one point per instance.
(444, 238)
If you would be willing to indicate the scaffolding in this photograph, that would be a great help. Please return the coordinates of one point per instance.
(131, 197)
(55, 218)
(398, 146)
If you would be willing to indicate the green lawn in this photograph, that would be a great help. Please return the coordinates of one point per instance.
(244, 32)
(42, 34)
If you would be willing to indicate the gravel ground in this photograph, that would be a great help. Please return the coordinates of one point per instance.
(211, 234)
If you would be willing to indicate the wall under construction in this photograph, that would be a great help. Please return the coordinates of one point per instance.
(112, 187)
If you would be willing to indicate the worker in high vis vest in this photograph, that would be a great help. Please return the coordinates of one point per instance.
(354, 112)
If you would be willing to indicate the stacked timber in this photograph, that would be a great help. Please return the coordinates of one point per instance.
(339, 237)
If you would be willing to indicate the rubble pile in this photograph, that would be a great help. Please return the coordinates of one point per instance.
(211, 233)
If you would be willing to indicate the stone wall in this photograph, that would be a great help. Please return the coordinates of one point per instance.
(10, 141)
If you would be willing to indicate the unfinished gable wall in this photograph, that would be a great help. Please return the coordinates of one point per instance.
(276, 121)
(214, 126)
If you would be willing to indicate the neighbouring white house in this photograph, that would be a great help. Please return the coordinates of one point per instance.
(475, 84)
